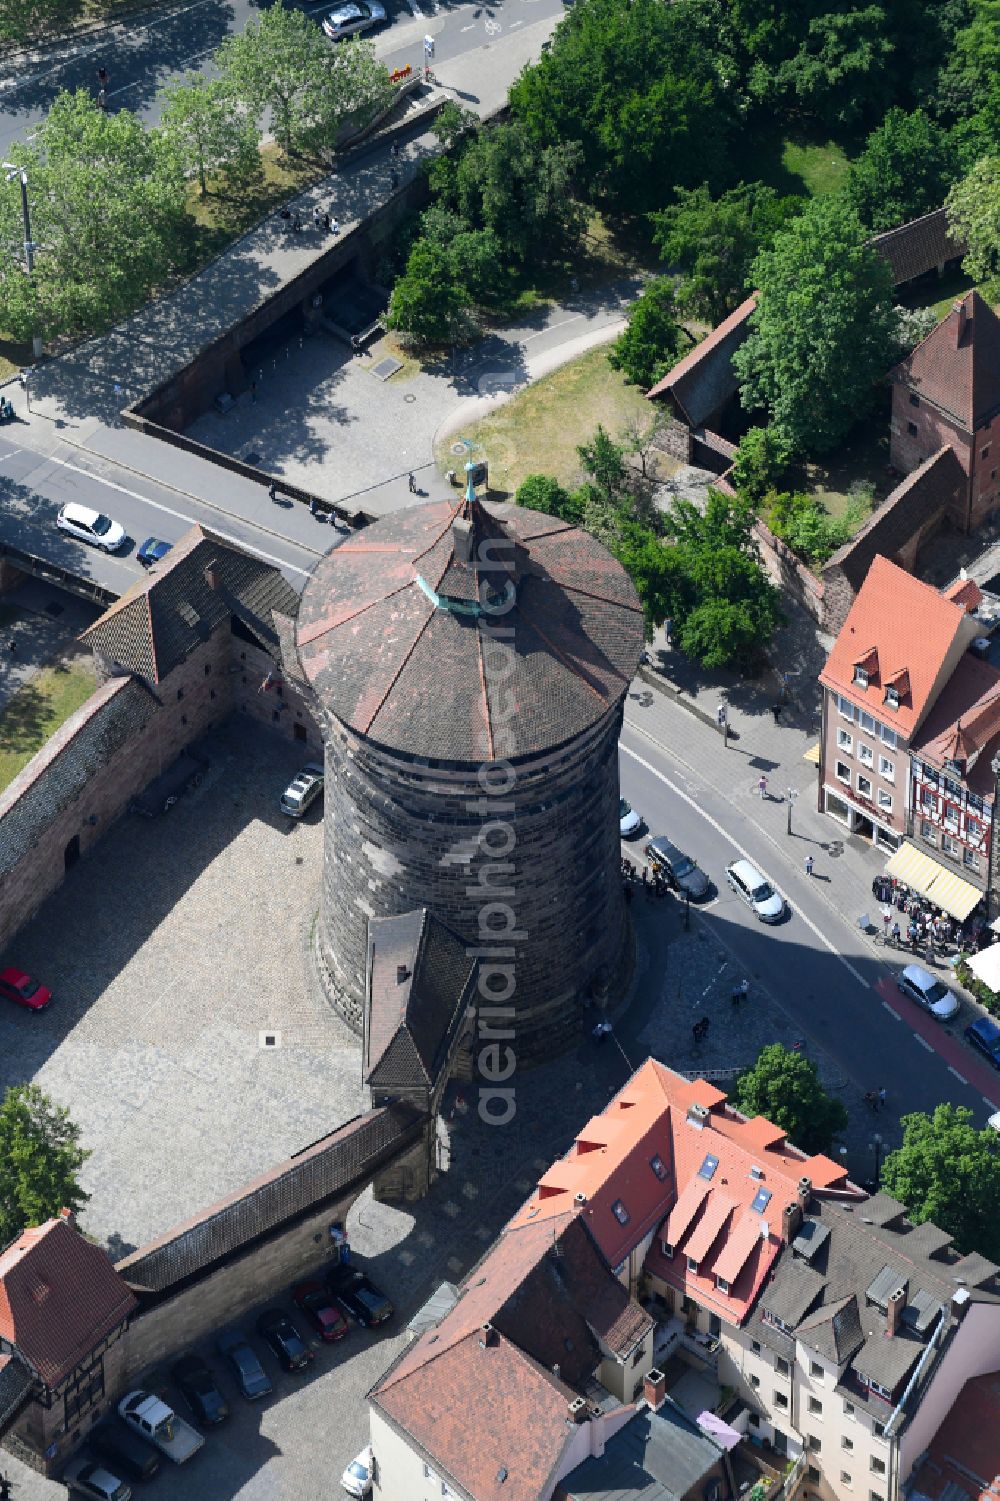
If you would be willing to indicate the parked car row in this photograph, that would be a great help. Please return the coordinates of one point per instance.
(147, 1427)
(93, 527)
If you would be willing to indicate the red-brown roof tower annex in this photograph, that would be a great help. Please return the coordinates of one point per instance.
(469, 665)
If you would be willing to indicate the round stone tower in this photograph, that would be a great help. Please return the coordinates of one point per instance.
(469, 664)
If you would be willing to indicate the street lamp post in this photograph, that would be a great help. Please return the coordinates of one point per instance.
(13, 171)
(792, 795)
(877, 1145)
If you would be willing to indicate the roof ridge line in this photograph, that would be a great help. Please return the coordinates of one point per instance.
(396, 675)
(452, 514)
(571, 666)
(488, 715)
(309, 634)
(589, 594)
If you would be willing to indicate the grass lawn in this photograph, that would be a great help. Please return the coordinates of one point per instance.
(538, 432)
(38, 709)
(862, 457)
(820, 168)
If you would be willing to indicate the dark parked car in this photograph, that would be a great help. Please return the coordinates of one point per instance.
(151, 551)
(251, 1377)
(358, 1296)
(320, 1309)
(985, 1035)
(199, 1390)
(679, 869)
(280, 1335)
(125, 1450)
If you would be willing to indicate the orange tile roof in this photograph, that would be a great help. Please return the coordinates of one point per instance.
(736, 1252)
(957, 366)
(911, 627)
(713, 1219)
(59, 1297)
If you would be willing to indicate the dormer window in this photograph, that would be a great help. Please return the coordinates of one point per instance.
(620, 1213)
(722, 1284)
(668, 1250)
(861, 676)
(692, 1264)
(892, 698)
(659, 1167)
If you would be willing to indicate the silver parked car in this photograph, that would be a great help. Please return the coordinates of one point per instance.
(928, 991)
(90, 526)
(355, 16)
(302, 791)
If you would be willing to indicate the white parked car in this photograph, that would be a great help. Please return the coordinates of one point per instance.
(357, 1478)
(90, 526)
(760, 896)
(929, 992)
(302, 791)
(86, 1478)
(356, 15)
(629, 821)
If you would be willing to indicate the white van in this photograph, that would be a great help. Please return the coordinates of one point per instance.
(760, 896)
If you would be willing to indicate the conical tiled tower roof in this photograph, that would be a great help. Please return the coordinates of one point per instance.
(398, 629)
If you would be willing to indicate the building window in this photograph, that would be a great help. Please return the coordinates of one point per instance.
(888, 736)
(845, 1478)
(886, 768)
(861, 676)
(813, 1474)
(781, 1366)
(846, 708)
(867, 722)
(984, 453)
(864, 786)
(780, 1400)
(928, 799)
(970, 859)
(911, 428)
(714, 1324)
(878, 1465)
(952, 788)
(845, 1442)
(874, 1496)
(620, 1213)
(722, 1284)
(950, 846)
(865, 754)
(692, 1264)
(884, 801)
(845, 742)
(208, 669)
(431, 1475)
(849, 1409)
(973, 827)
(815, 1405)
(180, 694)
(843, 772)
(914, 400)
(892, 698)
(815, 1369)
(928, 831)
(878, 1429)
(814, 1443)
(755, 1346)
(659, 1167)
(754, 1382)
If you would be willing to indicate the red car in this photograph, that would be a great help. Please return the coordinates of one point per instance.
(20, 988)
(320, 1309)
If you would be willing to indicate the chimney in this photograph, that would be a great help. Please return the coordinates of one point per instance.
(654, 1389)
(961, 320)
(461, 531)
(577, 1410)
(68, 1218)
(402, 973)
(959, 1302)
(804, 1191)
(791, 1219)
(487, 1336)
(212, 578)
(894, 1309)
(697, 1115)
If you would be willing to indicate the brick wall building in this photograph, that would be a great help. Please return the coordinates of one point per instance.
(947, 393)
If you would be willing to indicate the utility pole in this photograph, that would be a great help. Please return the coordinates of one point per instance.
(792, 795)
(13, 171)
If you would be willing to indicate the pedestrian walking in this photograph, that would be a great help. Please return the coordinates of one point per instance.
(895, 934)
(886, 920)
(809, 865)
(776, 711)
(740, 992)
(762, 786)
(297, 222)
(412, 482)
(645, 875)
(871, 1100)
(335, 225)
(272, 491)
(317, 216)
(394, 150)
(881, 1096)
(393, 179)
(326, 222)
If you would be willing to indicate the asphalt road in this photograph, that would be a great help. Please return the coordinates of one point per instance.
(145, 54)
(815, 965)
(34, 486)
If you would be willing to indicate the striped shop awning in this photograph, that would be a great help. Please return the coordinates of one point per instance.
(944, 887)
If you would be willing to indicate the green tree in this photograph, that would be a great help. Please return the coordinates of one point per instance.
(646, 559)
(841, 73)
(713, 242)
(636, 85)
(210, 134)
(540, 492)
(949, 1172)
(107, 216)
(761, 459)
(22, 19)
(820, 337)
(808, 528)
(652, 339)
(427, 302)
(973, 61)
(40, 1156)
(520, 191)
(784, 1087)
(974, 216)
(281, 62)
(905, 170)
(723, 606)
(604, 461)
(452, 122)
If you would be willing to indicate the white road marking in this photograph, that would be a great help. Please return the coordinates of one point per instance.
(10, 453)
(692, 803)
(894, 1014)
(987, 1101)
(470, 27)
(169, 511)
(923, 1042)
(958, 1076)
(707, 906)
(550, 326)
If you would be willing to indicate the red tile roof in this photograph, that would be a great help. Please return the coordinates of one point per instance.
(910, 627)
(964, 724)
(59, 1297)
(957, 366)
